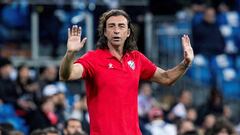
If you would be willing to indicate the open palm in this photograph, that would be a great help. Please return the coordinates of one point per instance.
(75, 43)
(188, 51)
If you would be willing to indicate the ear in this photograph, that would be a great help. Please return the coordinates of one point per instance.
(128, 33)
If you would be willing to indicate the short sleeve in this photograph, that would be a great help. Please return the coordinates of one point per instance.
(87, 62)
(147, 67)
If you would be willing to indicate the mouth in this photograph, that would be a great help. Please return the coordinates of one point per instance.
(116, 38)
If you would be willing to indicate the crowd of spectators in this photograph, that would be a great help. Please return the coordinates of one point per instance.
(213, 117)
(31, 101)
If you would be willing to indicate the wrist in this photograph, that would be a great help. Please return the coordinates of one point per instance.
(185, 64)
(70, 54)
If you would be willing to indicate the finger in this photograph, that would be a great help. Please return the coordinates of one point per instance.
(183, 42)
(69, 32)
(72, 33)
(187, 40)
(84, 41)
(74, 30)
(80, 32)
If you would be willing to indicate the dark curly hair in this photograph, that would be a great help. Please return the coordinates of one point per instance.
(130, 43)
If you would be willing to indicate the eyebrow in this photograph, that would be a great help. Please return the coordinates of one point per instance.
(117, 24)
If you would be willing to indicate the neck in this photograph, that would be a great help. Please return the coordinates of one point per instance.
(116, 51)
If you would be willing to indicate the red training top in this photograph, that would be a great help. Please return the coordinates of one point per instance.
(112, 90)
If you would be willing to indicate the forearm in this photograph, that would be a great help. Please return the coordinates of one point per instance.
(66, 66)
(175, 73)
(168, 77)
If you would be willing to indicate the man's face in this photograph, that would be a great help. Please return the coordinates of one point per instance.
(117, 30)
(51, 73)
(186, 98)
(73, 127)
(209, 15)
(223, 132)
(5, 71)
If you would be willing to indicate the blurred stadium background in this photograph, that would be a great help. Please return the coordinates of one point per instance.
(33, 33)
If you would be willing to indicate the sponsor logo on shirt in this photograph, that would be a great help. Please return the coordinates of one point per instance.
(131, 64)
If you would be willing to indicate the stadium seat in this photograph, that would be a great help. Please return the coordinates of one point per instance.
(169, 39)
(8, 115)
(228, 83)
(220, 62)
(15, 15)
(7, 110)
(226, 31)
(238, 62)
(233, 19)
(230, 47)
(200, 71)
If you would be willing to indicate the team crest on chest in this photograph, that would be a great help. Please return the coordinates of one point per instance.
(110, 65)
(131, 64)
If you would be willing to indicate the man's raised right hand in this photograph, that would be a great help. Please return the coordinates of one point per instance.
(75, 43)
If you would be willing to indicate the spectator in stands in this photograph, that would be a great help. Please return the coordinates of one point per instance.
(85, 119)
(73, 127)
(76, 110)
(25, 82)
(51, 131)
(222, 127)
(8, 129)
(223, 7)
(113, 71)
(207, 38)
(79, 111)
(5, 128)
(186, 127)
(58, 98)
(145, 101)
(192, 114)
(157, 125)
(27, 89)
(208, 123)
(38, 132)
(179, 110)
(8, 89)
(44, 116)
(214, 105)
(227, 113)
(15, 132)
(48, 75)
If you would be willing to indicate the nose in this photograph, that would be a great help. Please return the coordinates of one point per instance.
(116, 30)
